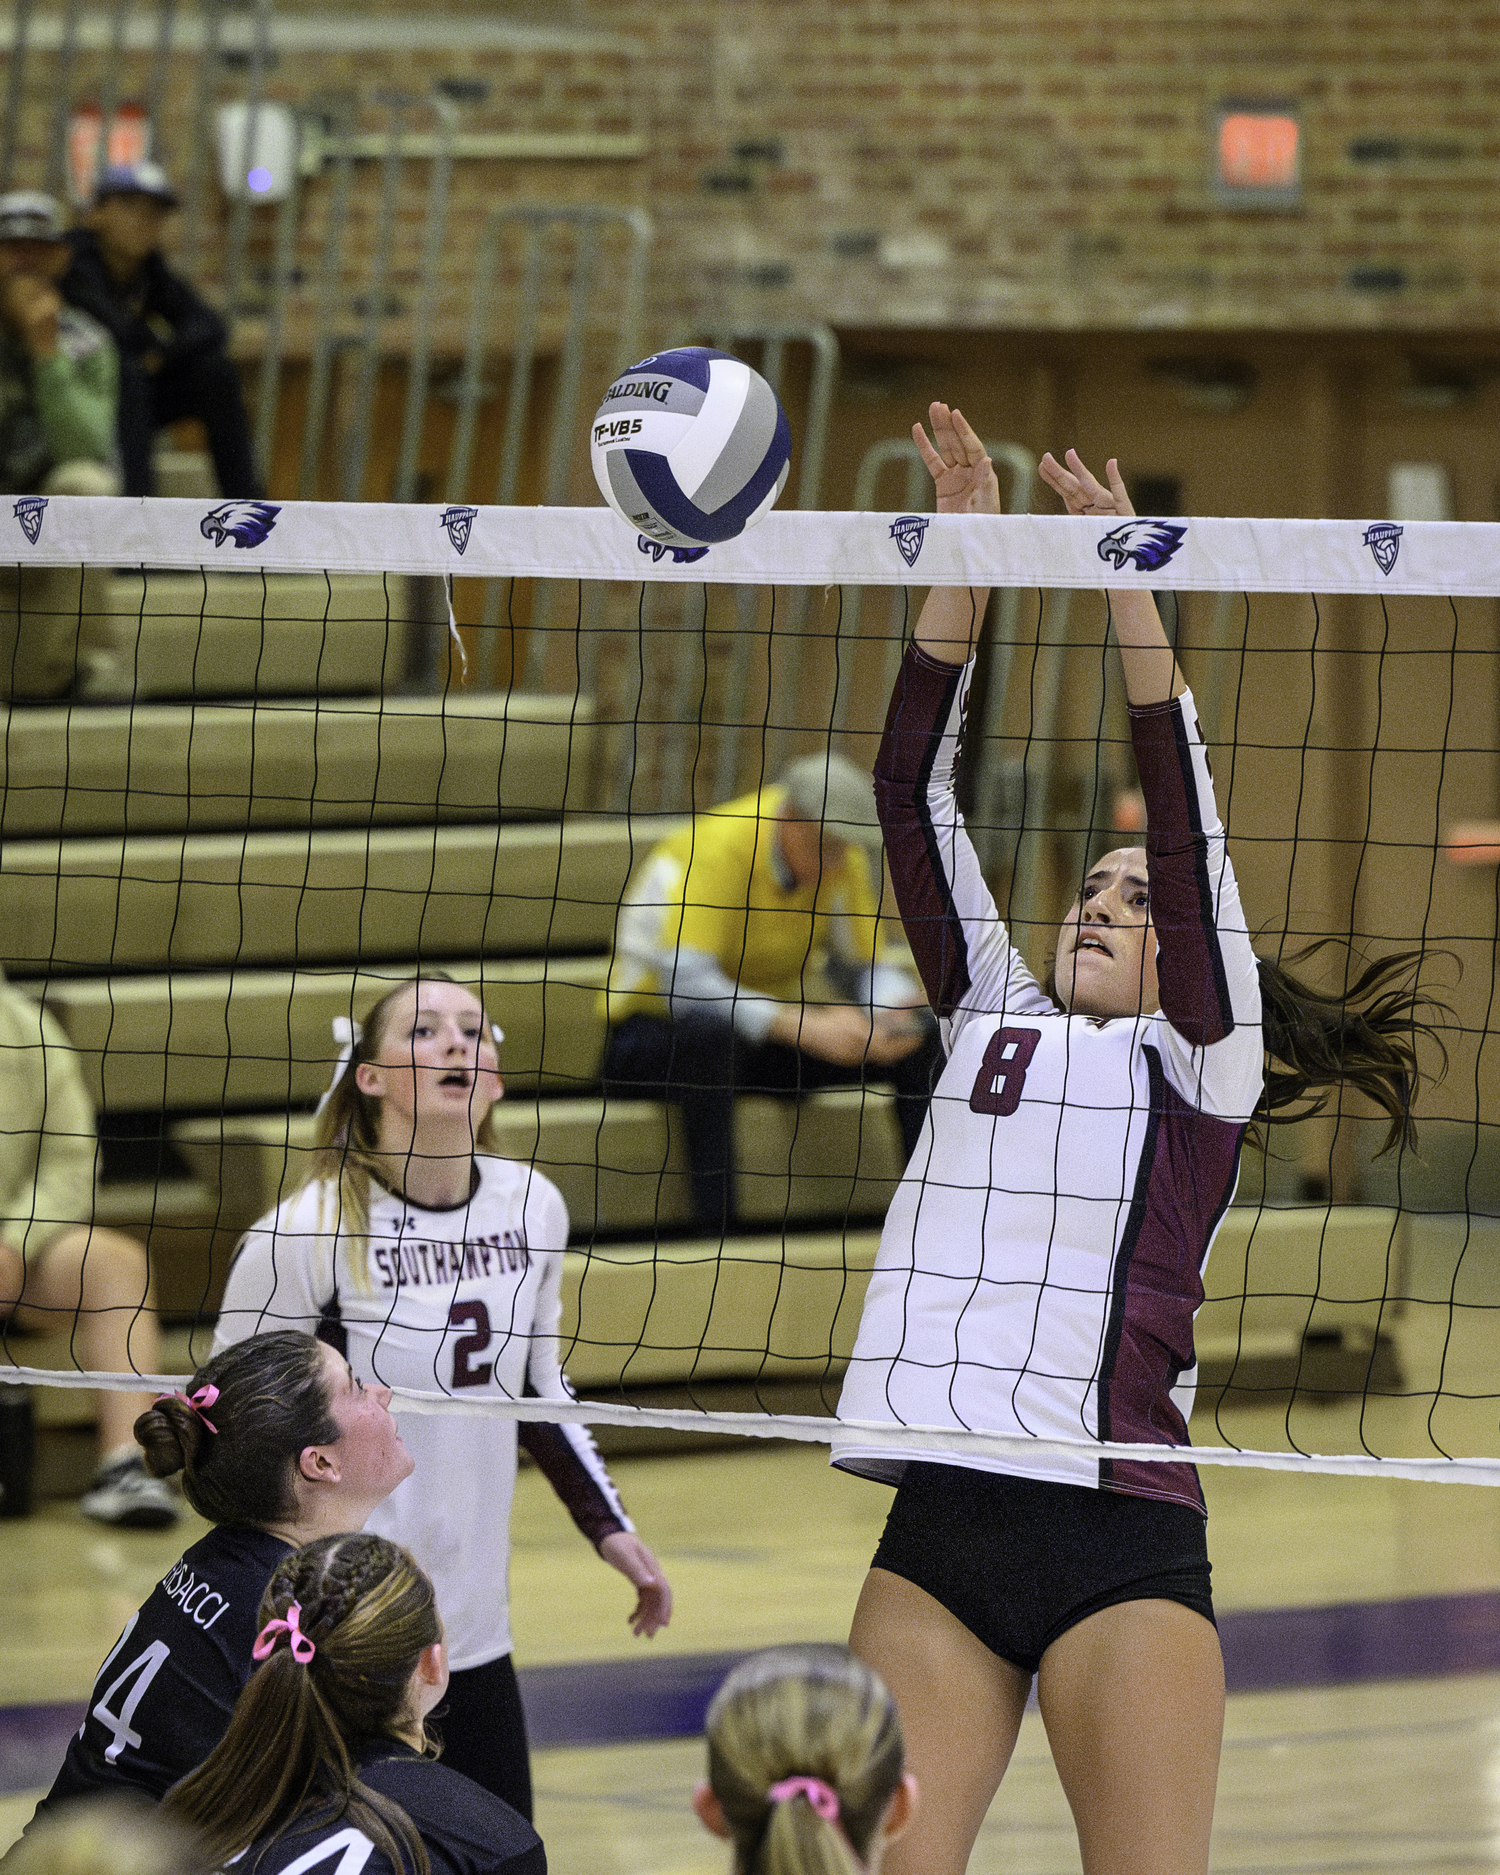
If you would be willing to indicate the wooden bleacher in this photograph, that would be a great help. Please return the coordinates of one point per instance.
(198, 880)
(157, 767)
(247, 634)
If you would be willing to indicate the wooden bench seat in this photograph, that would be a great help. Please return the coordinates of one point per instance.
(787, 1307)
(335, 762)
(1302, 1294)
(619, 1164)
(310, 897)
(241, 634)
(259, 1038)
(773, 1308)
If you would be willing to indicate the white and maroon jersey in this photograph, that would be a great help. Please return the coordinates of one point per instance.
(464, 1301)
(1042, 1260)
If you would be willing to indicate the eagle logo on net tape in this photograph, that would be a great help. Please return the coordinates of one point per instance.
(1145, 545)
(29, 511)
(1383, 538)
(458, 524)
(246, 523)
(681, 556)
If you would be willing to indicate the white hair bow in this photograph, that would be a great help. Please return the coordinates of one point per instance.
(348, 1034)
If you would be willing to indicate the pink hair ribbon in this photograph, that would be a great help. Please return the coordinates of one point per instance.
(302, 1648)
(823, 1797)
(197, 1402)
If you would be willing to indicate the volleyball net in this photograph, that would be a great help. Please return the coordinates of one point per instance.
(312, 749)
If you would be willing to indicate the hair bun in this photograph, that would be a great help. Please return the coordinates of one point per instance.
(170, 1436)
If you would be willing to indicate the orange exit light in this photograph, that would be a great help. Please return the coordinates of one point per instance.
(1258, 155)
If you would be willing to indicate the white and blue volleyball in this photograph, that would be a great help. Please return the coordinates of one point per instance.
(690, 446)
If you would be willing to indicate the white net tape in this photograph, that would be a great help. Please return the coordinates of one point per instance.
(1384, 561)
(1029, 551)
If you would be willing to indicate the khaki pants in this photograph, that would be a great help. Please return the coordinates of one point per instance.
(50, 615)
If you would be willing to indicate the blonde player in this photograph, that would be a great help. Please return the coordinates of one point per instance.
(806, 1766)
(436, 1265)
(327, 1761)
(1042, 1261)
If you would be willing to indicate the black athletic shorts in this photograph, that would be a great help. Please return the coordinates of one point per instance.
(483, 1728)
(1019, 1561)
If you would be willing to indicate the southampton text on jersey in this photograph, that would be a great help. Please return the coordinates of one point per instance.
(414, 1261)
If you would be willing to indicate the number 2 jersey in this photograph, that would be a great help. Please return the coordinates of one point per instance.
(466, 1302)
(1042, 1260)
(167, 1690)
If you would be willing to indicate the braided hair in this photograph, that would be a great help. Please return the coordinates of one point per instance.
(290, 1755)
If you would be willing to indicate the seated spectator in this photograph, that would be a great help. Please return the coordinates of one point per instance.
(171, 342)
(706, 990)
(58, 386)
(61, 1273)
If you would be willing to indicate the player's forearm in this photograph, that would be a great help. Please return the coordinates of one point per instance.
(951, 621)
(1151, 673)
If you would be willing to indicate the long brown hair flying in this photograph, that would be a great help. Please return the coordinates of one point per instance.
(1363, 1035)
(290, 1754)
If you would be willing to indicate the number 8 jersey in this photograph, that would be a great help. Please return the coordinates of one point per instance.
(465, 1302)
(1042, 1261)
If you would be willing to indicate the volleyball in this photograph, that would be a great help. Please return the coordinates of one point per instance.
(690, 446)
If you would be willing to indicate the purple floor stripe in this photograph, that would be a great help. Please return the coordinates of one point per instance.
(33, 1741)
(1430, 1634)
(609, 1702)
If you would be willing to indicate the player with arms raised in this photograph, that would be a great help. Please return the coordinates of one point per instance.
(1042, 1261)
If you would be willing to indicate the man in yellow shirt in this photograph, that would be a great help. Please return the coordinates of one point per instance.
(716, 935)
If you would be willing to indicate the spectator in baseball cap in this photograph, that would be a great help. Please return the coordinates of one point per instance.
(58, 387)
(173, 361)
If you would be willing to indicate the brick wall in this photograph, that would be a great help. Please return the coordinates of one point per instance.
(970, 163)
(1046, 162)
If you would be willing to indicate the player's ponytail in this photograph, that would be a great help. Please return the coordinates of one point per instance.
(347, 1133)
(786, 1727)
(1364, 1036)
(238, 1431)
(343, 1624)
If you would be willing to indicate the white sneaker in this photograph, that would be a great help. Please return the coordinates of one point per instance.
(125, 1494)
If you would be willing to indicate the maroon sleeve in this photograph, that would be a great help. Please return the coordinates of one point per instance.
(920, 719)
(1181, 819)
(569, 1460)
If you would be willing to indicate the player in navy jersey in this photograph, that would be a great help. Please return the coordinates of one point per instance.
(328, 1762)
(278, 1443)
(1042, 1260)
(438, 1267)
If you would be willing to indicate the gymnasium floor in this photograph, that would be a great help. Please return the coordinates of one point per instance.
(1361, 1620)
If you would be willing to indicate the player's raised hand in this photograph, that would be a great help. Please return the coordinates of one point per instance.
(962, 474)
(624, 1550)
(1081, 489)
